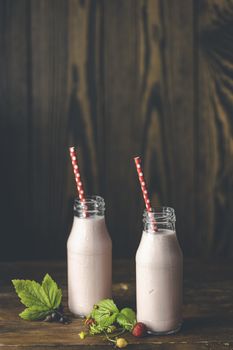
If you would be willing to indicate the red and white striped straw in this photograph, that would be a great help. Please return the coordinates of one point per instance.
(78, 180)
(144, 188)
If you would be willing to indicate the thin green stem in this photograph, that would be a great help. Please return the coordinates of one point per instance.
(112, 340)
(115, 335)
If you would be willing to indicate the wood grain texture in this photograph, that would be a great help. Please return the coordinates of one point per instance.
(208, 322)
(14, 90)
(121, 122)
(48, 122)
(83, 59)
(117, 78)
(178, 121)
(215, 133)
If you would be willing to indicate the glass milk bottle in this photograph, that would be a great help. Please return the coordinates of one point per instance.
(159, 274)
(89, 255)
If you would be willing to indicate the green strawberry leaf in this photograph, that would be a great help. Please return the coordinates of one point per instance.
(107, 305)
(95, 329)
(126, 318)
(39, 299)
(106, 320)
(31, 294)
(52, 291)
(105, 312)
(130, 314)
(32, 313)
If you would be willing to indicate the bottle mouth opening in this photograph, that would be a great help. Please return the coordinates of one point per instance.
(160, 215)
(91, 205)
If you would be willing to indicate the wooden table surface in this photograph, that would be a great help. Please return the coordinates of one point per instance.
(208, 310)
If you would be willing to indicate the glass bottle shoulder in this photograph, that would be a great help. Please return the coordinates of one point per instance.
(89, 235)
(159, 248)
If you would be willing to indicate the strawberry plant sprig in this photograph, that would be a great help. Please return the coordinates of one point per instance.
(42, 301)
(105, 314)
(107, 319)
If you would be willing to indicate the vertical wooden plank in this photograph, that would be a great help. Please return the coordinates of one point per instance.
(83, 75)
(168, 102)
(49, 123)
(15, 209)
(215, 132)
(153, 137)
(179, 96)
(121, 123)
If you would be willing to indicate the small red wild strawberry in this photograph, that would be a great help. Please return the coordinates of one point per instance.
(139, 330)
(89, 321)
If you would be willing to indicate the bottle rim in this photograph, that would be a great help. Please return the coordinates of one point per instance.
(92, 204)
(160, 214)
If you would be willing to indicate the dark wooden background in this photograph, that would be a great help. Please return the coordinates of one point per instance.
(118, 78)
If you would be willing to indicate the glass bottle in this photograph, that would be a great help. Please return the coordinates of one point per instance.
(159, 273)
(89, 256)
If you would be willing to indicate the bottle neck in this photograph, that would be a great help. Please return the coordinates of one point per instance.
(90, 207)
(163, 218)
